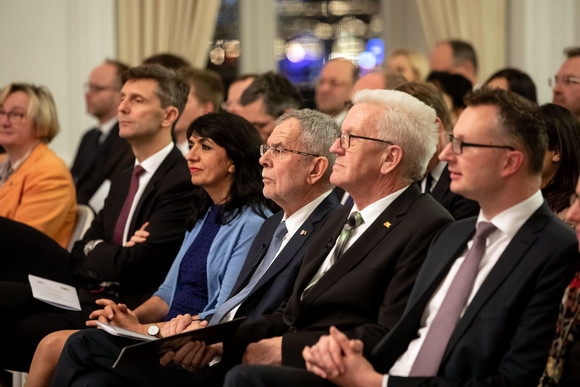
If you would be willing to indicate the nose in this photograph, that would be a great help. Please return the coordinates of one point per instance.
(446, 154)
(336, 148)
(4, 120)
(192, 155)
(123, 107)
(265, 159)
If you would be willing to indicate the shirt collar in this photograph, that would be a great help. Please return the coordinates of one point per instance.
(294, 221)
(372, 211)
(153, 162)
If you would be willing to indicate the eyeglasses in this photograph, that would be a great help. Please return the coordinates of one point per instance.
(345, 140)
(573, 199)
(92, 88)
(565, 80)
(279, 151)
(457, 145)
(14, 117)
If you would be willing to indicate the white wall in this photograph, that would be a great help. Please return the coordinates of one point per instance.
(56, 43)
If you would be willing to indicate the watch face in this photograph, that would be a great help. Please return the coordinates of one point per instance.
(153, 330)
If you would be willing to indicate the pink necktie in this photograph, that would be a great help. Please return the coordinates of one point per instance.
(431, 353)
(122, 219)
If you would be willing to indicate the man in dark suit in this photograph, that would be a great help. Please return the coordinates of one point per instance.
(360, 282)
(110, 261)
(101, 153)
(437, 180)
(299, 183)
(510, 279)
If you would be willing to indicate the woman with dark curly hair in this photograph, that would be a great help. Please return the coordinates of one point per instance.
(562, 160)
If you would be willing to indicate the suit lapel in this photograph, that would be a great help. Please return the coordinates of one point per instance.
(302, 235)
(507, 262)
(171, 158)
(381, 227)
(442, 186)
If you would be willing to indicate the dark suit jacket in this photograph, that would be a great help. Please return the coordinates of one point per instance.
(459, 206)
(277, 282)
(505, 333)
(165, 204)
(366, 289)
(96, 163)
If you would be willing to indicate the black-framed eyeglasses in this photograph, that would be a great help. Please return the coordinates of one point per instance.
(279, 151)
(457, 145)
(565, 80)
(91, 87)
(14, 117)
(345, 140)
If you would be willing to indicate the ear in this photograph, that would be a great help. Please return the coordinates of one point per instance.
(171, 115)
(513, 163)
(439, 125)
(317, 170)
(232, 168)
(207, 107)
(391, 159)
(556, 156)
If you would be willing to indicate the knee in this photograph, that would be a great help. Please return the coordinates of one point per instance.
(237, 377)
(51, 345)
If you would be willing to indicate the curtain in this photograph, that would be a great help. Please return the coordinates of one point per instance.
(182, 27)
(480, 22)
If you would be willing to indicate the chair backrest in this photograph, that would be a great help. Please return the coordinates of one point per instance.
(85, 217)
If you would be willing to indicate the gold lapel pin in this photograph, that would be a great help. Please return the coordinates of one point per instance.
(387, 224)
(303, 232)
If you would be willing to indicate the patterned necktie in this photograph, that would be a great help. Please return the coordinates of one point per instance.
(431, 353)
(243, 294)
(124, 215)
(354, 220)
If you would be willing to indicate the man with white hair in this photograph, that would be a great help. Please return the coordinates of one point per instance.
(360, 267)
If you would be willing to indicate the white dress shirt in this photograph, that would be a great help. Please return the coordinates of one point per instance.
(435, 174)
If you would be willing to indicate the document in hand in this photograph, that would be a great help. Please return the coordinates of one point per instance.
(150, 351)
(54, 293)
(118, 331)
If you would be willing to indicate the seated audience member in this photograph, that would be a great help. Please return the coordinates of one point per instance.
(563, 365)
(237, 87)
(483, 306)
(437, 177)
(305, 196)
(223, 160)
(101, 152)
(566, 83)
(152, 197)
(266, 99)
(167, 60)
(380, 79)
(411, 64)
(36, 187)
(455, 56)
(206, 93)
(562, 160)
(333, 87)
(513, 80)
(454, 88)
(358, 275)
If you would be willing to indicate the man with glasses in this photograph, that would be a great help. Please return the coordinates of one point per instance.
(566, 84)
(334, 86)
(101, 152)
(484, 305)
(359, 269)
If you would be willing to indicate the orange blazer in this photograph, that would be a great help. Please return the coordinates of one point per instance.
(41, 194)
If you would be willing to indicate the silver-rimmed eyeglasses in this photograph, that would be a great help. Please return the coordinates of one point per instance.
(565, 80)
(278, 150)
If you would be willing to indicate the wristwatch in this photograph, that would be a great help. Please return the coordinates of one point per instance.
(153, 330)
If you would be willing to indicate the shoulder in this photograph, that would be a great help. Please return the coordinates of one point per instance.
(45, 162)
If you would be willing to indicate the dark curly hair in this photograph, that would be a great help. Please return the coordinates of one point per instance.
(564, 136)
(241, 142)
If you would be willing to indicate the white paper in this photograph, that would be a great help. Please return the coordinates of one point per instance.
(54, 293)
(118, 331)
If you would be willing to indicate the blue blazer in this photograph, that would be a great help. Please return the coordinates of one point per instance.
(224, 261)
(504, 336)
(277, 282)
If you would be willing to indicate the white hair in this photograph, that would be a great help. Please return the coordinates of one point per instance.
(406, 122)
